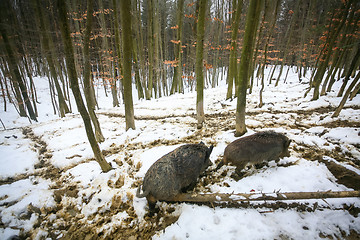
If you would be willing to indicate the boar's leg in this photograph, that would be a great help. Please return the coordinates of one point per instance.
(152, 205)
(221, 163)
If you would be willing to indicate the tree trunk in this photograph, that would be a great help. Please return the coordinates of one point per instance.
(348, 91)
(88, 87)
(150, 49)
(272, 26)
(19, 84)
(117, 40)
(329, 48)
(352, 67)
(108, 73)
(70, 65)
(232, 76)
(127, 60)
(199, 64)
(63, 108)
(140, 46)
(176, 84)
(252, 19)
(288, 37)
(156, 36)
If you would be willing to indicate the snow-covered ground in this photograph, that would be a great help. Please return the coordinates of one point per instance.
(51, 187)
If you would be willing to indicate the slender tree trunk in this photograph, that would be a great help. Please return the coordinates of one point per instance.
(272, 26)
(337, 69)
(288, 37)
(139, 87)
(329, 48)
(63, 108)
(71, 69)
(352, 67)
(252, 19)
(150, 49)
(355, 91)
(199, 64)
(88, 87)
(108, 73)
(117, 39)
(140, 46)
(232, 76)
(156, 37)
(347, 94)
(176, 84)
(127, 60)
(19, 84)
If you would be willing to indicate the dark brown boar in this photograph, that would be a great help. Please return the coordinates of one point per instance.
(174, 173)
(261, 146)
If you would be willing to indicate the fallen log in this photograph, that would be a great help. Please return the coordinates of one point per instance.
(246, 197)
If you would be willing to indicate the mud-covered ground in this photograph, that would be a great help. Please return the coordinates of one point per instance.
(62, 194)
(64, 219)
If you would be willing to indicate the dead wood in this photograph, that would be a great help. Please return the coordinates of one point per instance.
(245, 197)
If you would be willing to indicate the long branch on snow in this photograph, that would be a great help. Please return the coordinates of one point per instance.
(244, 197)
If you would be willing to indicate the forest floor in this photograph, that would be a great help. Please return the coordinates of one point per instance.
(51, 187)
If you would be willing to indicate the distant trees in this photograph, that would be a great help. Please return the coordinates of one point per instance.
(13, 65)
(177, 84)
(232, 73)
(311, 36)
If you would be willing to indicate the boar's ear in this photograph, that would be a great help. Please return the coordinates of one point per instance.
(209, 151)
(287, 143)
(211, 148)
(202, 143)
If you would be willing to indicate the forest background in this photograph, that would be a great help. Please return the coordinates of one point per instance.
(155, 45)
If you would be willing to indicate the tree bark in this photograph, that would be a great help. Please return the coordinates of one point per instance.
(232, 76)
(252, 19)
(353, 66)
(19, 84)
(88, 87)
(347, 94)
(149, 89)
(70, 65)
(176, 84)
(199, 64)
(63, 108)
(127, 60)
(329, 49)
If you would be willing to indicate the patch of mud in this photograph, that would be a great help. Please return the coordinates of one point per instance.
(103, 225)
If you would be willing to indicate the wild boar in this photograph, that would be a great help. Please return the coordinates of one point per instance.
(174, 173)
(261, 146)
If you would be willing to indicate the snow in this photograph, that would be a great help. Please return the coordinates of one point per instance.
(251, 224)
(17, 154)
(28, 195)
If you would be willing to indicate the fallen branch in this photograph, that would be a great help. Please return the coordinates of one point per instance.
(245, 197)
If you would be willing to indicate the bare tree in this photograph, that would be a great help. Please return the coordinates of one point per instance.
(127, 60)
(199, 64)
(71, 69)
(252, 20)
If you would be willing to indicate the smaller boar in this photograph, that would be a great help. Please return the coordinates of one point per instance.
(174, 173)
(261, 146)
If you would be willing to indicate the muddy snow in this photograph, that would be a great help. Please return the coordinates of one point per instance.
(51, 187)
